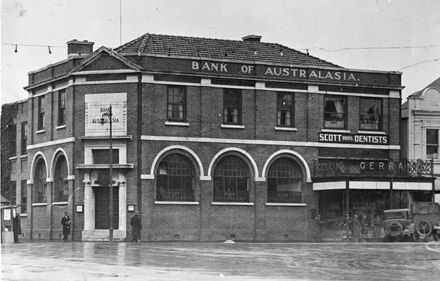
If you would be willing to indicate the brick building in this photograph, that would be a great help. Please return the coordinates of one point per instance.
(211, 139)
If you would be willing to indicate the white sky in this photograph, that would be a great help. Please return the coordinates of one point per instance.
(298, 24)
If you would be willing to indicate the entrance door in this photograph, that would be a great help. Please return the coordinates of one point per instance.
(102, 207)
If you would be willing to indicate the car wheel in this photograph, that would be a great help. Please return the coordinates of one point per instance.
(395, 229)
(423, 228)
(436, 236)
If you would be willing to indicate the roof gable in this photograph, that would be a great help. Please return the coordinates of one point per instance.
(106, 59)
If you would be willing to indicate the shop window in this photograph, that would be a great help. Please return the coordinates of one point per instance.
(102, 156)
(23, 196)
(285, 110)
(41, 108)
(175, 179)
(231, 180)
(370, 114)
(335, 112)
(432, 143)
(284, 181)
(176, 104)
(231, 106)
(39, 190)
(61, 108)
(60, 189)
(23, 138)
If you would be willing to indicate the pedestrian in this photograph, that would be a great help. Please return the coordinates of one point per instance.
(16, 226)
(136, 225)
(65, 221)
(377, 228)
(356, 228)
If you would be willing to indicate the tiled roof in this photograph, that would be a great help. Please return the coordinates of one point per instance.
(262, 52)
(435, 84)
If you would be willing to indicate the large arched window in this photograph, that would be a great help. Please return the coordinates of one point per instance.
(39, 190)
(60, 190)
(231, 180)
(284, 181)
(175, 179)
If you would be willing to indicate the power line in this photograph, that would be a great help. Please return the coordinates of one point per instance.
(375, 48)
(420, 62)
(33, 45)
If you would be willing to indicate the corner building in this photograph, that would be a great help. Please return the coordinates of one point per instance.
(212, 139)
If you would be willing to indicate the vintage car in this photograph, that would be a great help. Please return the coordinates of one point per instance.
(398, 225)
(420, 222)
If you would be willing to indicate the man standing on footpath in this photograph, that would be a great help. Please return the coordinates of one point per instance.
(65, 221)
(16, 226)
(136, 225)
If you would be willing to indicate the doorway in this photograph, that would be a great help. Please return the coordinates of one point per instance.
(102, 216)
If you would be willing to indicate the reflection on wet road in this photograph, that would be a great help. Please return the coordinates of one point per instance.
(217, 261)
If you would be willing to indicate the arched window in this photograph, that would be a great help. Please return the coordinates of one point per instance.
(175, 179)
(231, 180)
(60, 190)
(284, 181)
(39, 190)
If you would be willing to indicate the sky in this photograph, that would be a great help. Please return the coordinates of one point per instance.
(390, 35)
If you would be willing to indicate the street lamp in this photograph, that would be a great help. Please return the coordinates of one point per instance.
(109, 116)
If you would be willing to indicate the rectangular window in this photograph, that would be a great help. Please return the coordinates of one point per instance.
(335, 112)
(370, 114)
(102, 156)
(176, 108)
(231, 106)
(23, 138)
(23, 197)
(61, 108)
(285, 110)
(432, 143)
(40, 125)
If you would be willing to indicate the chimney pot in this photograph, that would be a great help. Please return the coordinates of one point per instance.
(252, 38)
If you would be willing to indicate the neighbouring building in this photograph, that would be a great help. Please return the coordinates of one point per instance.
(421, 127)
(211, 139)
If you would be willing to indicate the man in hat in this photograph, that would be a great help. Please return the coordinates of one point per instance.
(16, 226)
(65, 221)
(136, 227)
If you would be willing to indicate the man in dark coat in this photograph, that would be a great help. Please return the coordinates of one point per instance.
(356, 227)
(16, 226)
(136, 227)
(65, 221)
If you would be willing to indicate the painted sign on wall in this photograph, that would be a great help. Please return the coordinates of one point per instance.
(353, 138)
(96, 114)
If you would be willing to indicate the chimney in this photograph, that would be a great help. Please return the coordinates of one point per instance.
(252, 38)
(79, 48)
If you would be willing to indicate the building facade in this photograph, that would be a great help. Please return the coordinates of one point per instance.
(421, 127)
(211, 139)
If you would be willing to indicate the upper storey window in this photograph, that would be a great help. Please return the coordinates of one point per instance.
(61, 108)
(285, 109)
(335, 115)
(370, 114)
(232, 106)
(41, 107)
(432, 143)
(176, 104)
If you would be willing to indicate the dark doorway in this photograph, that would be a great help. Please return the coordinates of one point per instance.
(102, 207)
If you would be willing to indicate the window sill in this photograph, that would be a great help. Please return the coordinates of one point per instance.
(291, 129)
(24, 215)
(60, 127)
(38, 204)
(175, 203)
(286, 204)
(372, 132)
(61, 203)
(335, 131)
(12, 158)
(227, 126)
(24, 156)
(40, 131)
(178, 124)
(232, 203)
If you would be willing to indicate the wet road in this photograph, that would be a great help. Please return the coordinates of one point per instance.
(218, 261)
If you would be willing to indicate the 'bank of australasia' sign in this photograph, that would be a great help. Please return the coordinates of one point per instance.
(353, 138)
(97, 109)
(274, 71)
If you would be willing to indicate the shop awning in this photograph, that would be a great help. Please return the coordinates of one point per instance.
(372, 185)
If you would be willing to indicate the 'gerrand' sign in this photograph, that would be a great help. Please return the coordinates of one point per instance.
(96, 114)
